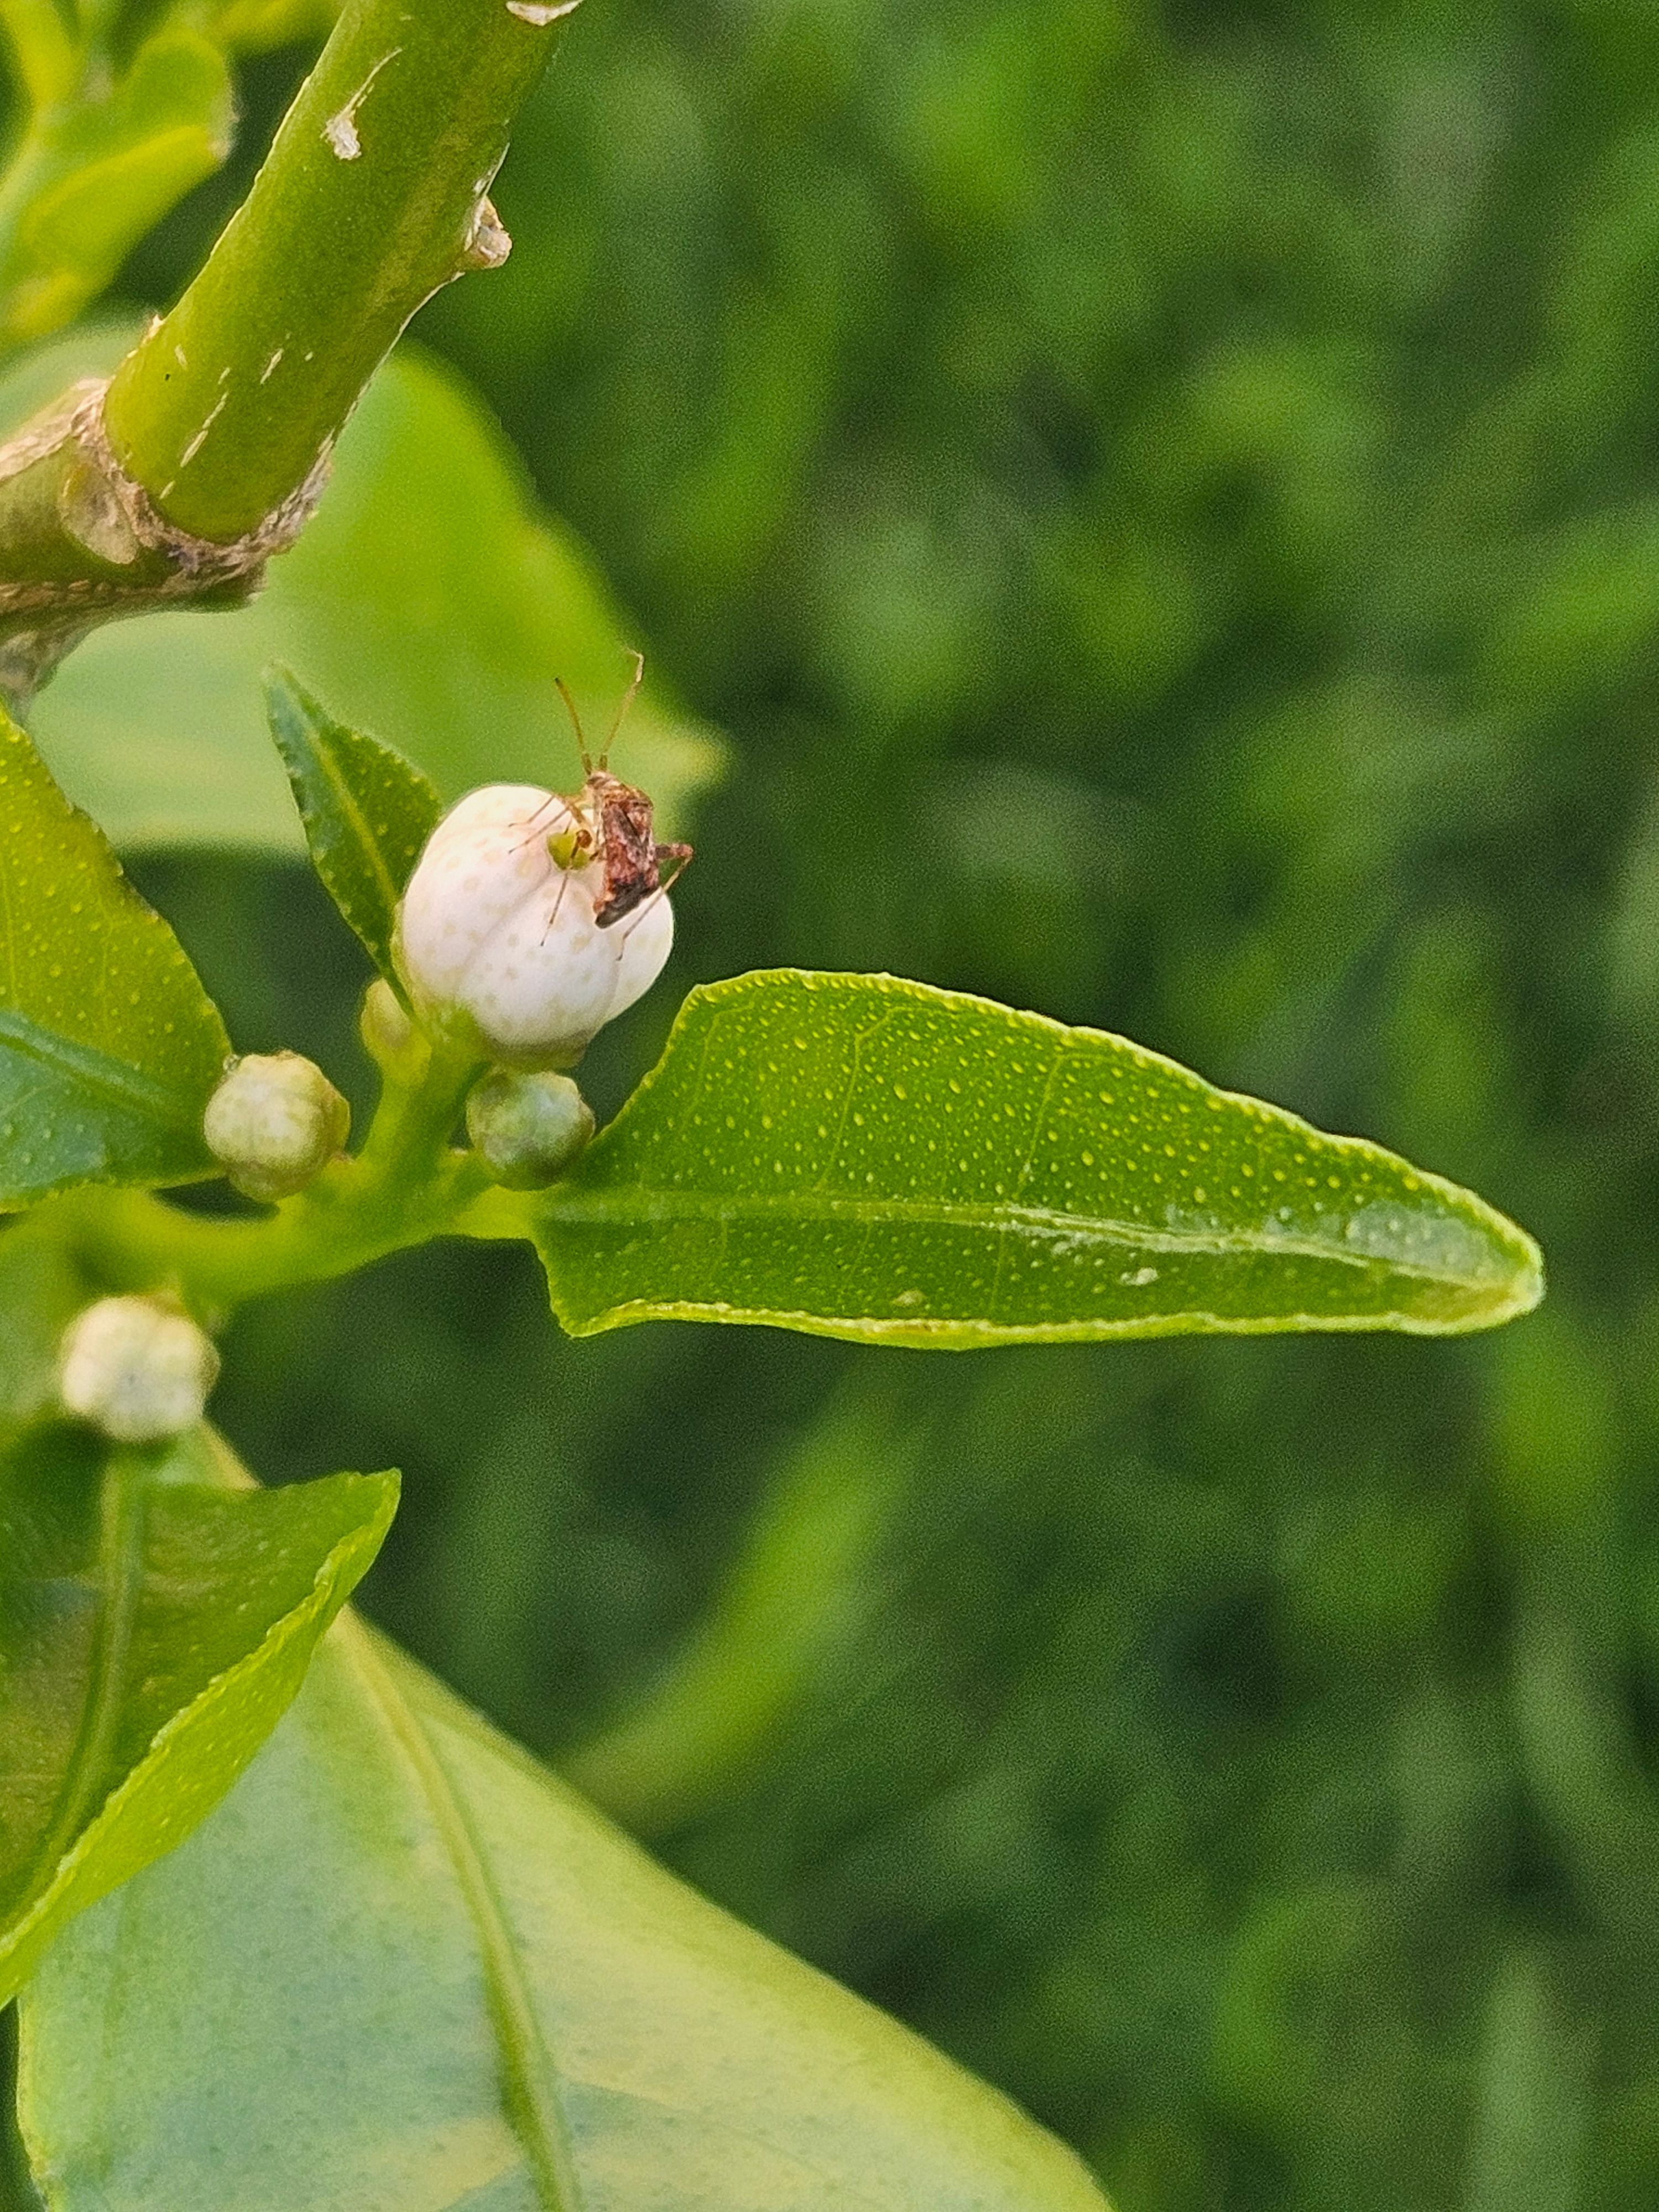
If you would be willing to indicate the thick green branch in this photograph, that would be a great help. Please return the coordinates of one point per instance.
(374, 196)
(206, 453)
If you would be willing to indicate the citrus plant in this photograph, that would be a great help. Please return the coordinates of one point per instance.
(286, 1925)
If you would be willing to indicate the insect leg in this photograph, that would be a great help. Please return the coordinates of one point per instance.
(679, 857)
(564, 885)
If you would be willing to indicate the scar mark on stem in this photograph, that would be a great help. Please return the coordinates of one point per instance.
(340, 130)
(542, 12)
(200, 439)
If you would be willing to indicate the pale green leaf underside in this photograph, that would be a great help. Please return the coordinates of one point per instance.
(109, 1047)
(429, 600)
(402, 1969)
(154, 1627)
(367, 812)
(865, 1157)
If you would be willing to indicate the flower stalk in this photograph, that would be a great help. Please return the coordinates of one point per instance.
(407, 1186)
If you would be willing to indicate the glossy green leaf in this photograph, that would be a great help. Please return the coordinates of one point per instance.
(429, 600)
(154, 1625)
(109, 1047)
(859, 1157)
(367, 812)
(92, 175)
(403, 1969)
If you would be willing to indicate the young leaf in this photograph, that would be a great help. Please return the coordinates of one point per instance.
(859, 1157)
(367, 812)
(470, 1990)
(92, 175)
(154, 1625)
(109, 1047)
(430, 599)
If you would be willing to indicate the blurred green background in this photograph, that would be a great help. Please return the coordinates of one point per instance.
(1165, 503)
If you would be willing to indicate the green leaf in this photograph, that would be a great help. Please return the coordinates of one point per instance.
(154, 1625)
(470, 1990)
(109, 1047)
(92, 176)
(429, 600)
(863, 1158)
(367, 812)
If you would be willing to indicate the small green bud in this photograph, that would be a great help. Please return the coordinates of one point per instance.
(401, 1052)
(528, 1128)
(274, 1123)
(136, 1368)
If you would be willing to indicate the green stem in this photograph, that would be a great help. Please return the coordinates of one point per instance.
(206, 453)
(373, 197)
(405, 1187)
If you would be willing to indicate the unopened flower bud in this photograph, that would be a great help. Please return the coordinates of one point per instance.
(273, 1122)
(496, 937)
(136, 1368)
(398, 1049)
(528, 1128)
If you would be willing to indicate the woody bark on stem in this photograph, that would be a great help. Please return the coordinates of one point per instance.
(208, 449)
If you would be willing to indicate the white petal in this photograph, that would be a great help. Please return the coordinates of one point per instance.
(648, 936)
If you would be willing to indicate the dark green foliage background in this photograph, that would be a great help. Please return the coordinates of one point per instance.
(1166, 503)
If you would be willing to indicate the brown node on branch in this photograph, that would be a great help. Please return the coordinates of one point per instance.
(83, 541)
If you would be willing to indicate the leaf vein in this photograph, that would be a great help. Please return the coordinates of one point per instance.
(636, 1206)
(97, 1071)
(529, 2080)
(323, 753)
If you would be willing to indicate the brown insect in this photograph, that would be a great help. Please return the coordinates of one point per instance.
(616, 823)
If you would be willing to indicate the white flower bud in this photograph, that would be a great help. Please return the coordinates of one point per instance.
(496, 939)
(273, 1122)
(529, 1127)
(136, 1368)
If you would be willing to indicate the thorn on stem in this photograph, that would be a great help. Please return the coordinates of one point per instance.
(487, 241)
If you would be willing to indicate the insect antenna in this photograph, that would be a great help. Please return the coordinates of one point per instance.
(628, 699)
(576, 725)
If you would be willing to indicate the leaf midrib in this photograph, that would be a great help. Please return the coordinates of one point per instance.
(120, 1575)
(529, 2080)
(94, 1070)
(323, 752)
(649, 1206)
